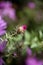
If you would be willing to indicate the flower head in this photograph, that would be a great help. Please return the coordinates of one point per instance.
(7, 10)
(32, 60)
(22, 28)
(4, 4)
(31, 5)
(10, 12)
(3, 26)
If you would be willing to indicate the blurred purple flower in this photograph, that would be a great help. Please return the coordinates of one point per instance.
(4, 4)
(2, 46)
(10, 12)
(32, 60)
(7, 10)
(31, 5)
(29, 52)
(1, 61)
(3, 26)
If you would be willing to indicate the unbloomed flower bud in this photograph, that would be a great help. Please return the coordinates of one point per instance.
(22, 28)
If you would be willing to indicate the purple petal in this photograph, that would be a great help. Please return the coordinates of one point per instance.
(40, 62)
(12, 14)
(3, 46)
(2, 32)
(8, 4)
(3, 26)
(1, 12)
(29, 52)
(2, 23)
(1, 61)
(5, 4)
(31, 61)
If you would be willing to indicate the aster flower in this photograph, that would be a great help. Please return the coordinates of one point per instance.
(7, 10)
(3, 26)
(32, 60)
(31, 5)
(10, 12)
(4, 4)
